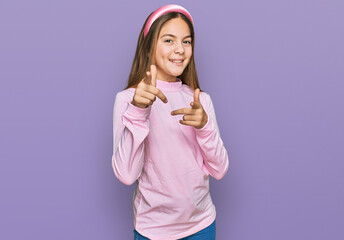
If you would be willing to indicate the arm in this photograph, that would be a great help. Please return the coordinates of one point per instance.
(130, 128)
(214, 153)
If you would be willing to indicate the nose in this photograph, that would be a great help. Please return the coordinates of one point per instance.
(179, 48)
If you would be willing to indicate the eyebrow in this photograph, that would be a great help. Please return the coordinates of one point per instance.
(171, 35)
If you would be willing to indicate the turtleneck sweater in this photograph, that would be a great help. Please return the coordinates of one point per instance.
(170, 162)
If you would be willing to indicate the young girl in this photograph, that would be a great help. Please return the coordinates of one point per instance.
(168, 147)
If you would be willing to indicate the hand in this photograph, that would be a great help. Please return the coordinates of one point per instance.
(146, 91)
(194, 116)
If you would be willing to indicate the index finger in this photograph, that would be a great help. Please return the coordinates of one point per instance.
(182, 111)
(161, 96)
(157, 92)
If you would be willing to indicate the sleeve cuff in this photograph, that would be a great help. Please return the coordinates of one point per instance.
(206, 129)
(137, 112)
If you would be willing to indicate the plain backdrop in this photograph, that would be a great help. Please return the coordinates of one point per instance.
(274, 70)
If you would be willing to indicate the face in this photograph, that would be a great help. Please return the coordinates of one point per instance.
(173, 50)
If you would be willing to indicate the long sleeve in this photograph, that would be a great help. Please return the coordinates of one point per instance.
(213, 150)
(130, 128)
(170, 162)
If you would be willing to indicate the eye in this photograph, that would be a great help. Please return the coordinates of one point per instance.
(187, 41)
(167, 40)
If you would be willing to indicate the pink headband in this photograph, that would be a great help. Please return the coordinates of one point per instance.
(161, 11)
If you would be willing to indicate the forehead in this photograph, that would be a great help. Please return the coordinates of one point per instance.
(176, 27)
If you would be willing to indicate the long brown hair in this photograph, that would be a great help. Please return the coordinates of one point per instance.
(146, 47)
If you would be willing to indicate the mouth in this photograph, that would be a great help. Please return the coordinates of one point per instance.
(177, 62)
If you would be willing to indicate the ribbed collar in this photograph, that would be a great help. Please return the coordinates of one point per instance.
(169, 86)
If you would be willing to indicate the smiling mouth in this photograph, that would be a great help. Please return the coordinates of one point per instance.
(177, 62)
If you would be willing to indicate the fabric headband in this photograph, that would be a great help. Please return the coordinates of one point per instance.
(161, 11)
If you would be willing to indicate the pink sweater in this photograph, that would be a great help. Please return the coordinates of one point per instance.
(170, 162)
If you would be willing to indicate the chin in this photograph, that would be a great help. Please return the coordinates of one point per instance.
(177, 73)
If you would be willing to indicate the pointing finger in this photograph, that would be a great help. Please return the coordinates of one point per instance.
(182, 111)
(161, 96)
(156, 92)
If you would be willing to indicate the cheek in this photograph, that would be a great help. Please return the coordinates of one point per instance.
(163, 54)
(189, 52)
(166, 53)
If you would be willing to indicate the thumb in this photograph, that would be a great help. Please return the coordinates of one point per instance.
(196, 103)
(196, 95)
(153, 75)
(146, 79)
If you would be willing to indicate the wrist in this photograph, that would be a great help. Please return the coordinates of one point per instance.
(205, 120)
(138, 105)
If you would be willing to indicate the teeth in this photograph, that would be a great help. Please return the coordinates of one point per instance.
(179, 61)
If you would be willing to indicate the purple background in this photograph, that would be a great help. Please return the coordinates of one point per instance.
(274, 70)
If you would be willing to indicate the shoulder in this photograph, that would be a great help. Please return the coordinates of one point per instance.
(125, 95)
(187, 90)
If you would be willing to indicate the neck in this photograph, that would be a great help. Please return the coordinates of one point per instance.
(166, 78)
(169, 86)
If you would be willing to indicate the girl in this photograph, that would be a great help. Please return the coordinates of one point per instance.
(164, 145)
